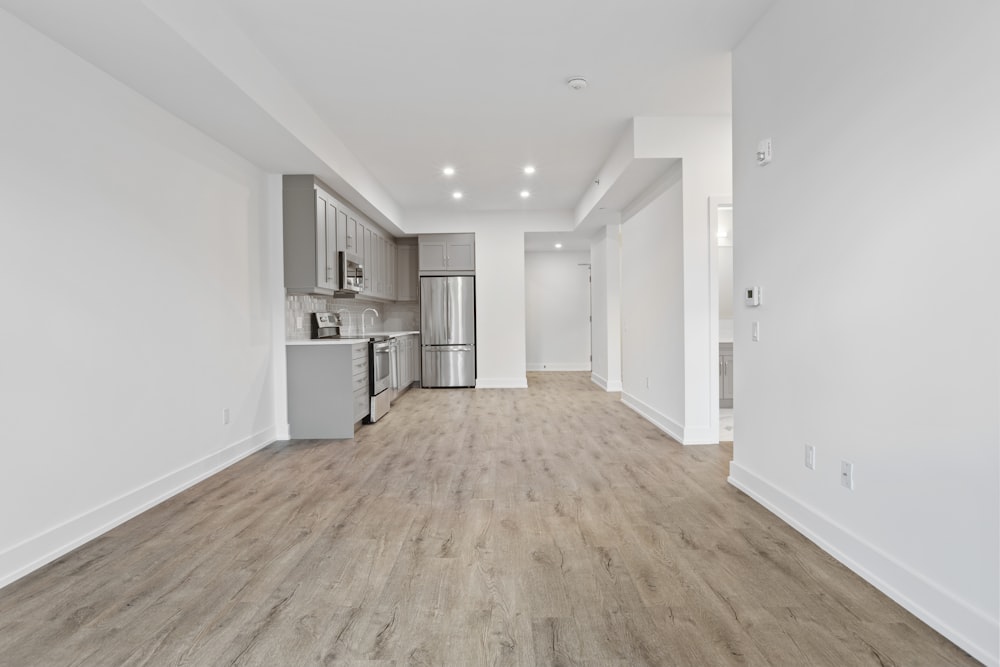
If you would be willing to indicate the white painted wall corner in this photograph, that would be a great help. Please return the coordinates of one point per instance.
(46, 547)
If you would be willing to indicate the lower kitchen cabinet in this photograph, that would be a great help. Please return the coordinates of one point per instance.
(411, 354)
(407, 362)
(327, 389)
(359, 381)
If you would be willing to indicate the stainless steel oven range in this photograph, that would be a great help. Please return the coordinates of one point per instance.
(380, 372)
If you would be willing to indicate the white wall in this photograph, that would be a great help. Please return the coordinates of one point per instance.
(605, 259)
(879, 345)
(136, 274)
(652, 308)
(500, 304)
(703, 145)
(557, 310)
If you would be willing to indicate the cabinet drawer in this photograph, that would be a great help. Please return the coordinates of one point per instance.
(359, 367)
(359, 351)
(360, 383)
(361, 405)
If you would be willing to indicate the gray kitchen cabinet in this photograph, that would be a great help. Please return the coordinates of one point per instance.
(310, 236)
(379, 265)
(347, 232)
(433, 255)
(376, 264)
(390, 266)
(369, 248)
(359, 239)
(359, 381)
(383, 266)
(316, 227)
(408, 362)
(414, 357)
(725, 375)
(351, 235)
(406, 272)
(325, 384)
(443, 254)
(411, 352)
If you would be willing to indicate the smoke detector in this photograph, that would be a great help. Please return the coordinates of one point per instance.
(576, 82)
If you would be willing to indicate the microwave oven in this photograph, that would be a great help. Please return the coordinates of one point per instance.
(352, 273)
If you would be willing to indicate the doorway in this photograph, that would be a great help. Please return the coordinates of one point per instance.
(721, 214)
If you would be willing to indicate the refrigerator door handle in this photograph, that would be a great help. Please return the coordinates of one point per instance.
(447, 318)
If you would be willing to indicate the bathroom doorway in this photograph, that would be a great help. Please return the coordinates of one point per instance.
(723, 210)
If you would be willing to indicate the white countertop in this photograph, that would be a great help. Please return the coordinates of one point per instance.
(348, 341)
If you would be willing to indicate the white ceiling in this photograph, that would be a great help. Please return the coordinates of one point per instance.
(410, 86)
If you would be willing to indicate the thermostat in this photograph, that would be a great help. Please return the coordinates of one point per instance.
(752, 296)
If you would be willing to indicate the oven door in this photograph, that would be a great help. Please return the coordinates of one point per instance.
(380, 366)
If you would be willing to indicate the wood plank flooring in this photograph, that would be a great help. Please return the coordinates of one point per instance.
(548, 526)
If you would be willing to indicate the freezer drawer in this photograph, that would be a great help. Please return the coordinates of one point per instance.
(449, 366)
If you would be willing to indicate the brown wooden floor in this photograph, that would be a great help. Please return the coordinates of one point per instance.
(470, 527)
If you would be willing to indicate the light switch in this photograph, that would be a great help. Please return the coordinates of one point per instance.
(764, 152)
(755, 331)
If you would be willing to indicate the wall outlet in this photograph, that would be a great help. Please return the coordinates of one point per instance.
(847, 475)
(225, 415)
(810, 457)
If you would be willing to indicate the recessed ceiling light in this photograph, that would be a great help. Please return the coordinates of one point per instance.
(448, 171)
(558, 245)
(457, 194)
(525, 194)
(529, 170)
(576, 82)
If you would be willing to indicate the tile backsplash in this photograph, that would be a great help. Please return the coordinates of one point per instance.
(391, 316)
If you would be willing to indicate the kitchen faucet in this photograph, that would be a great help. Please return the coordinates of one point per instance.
(363, 318)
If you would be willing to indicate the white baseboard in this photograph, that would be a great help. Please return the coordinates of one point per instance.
(701, 435)
(970, 628)
(657, 419)
(283, 432)
(37, 551)
(550, 366)
(604, 384)
(502, 383)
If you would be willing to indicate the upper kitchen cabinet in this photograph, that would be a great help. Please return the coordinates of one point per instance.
(368, 249)
(310, 236)
(347, 233)
(406, 271)
(443, 254)
(316, 227)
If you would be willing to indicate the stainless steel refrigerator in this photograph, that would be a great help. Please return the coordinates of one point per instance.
(448, 331)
